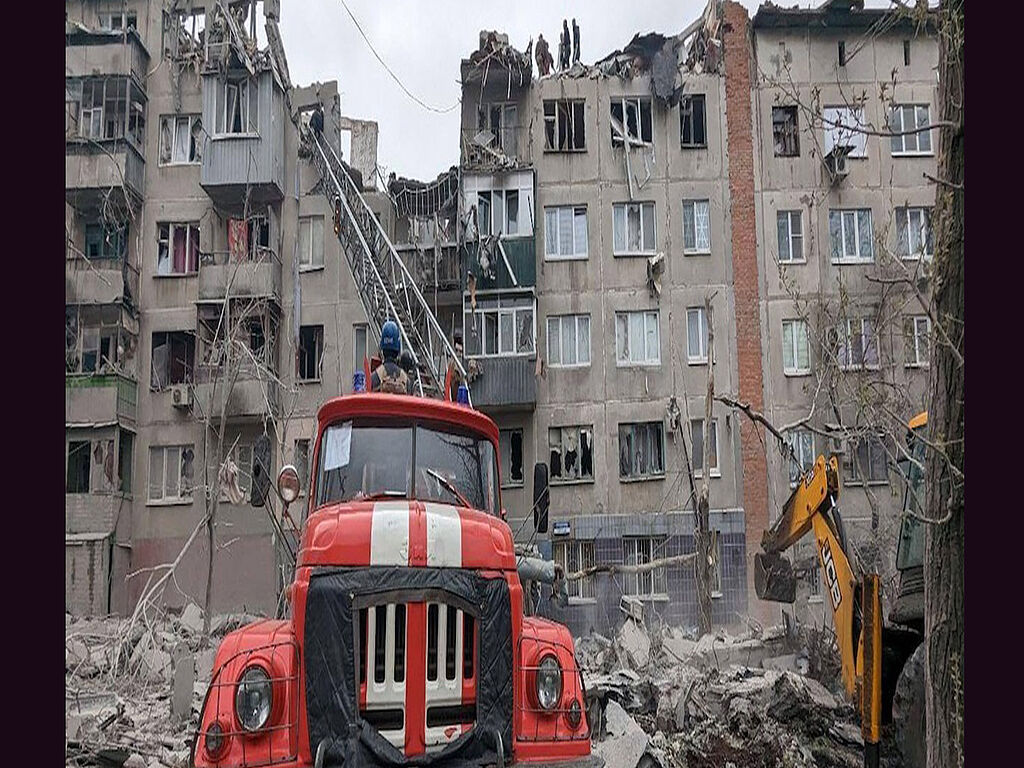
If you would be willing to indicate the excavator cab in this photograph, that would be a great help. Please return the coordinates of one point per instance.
(908, 608)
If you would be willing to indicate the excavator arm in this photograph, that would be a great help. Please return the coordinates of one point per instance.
(855, 600)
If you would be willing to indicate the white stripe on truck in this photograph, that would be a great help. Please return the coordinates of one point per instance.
(389, 533)
(444, 536)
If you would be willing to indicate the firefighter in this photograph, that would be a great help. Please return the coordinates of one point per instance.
(408, 365)
(389, 376)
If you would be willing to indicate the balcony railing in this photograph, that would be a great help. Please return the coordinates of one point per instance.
(94, 167)
(254, 275)
(105, 53)
(504, 148)
(521, 255)
(433, 268)
(100, 281)
(100, 398)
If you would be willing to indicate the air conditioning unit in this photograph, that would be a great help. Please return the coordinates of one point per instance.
(181, 396)
(836, 160)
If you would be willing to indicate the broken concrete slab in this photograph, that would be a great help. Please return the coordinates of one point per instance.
(184, 680)
(626, 741)
(135, 760)
(192, 618)
(635, 644)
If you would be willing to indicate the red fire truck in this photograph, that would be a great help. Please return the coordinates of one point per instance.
(407, 642)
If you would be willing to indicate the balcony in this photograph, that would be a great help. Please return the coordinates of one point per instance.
(505, 384)
(498, 149)
(92, 399)
(248, 398)
(521, 258)
(100, 281)
(95, 167)
(256, 278)
(102, 53)
(247, 156)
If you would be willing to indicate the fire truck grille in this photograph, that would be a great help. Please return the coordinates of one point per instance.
(445, 638)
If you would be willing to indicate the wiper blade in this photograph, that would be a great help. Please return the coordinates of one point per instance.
(448, 486)
(381, 495)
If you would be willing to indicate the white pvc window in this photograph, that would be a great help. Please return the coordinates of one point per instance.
(637, 338)
(568, 341)
(565, 232)
(697, 441)
(500, 327)
(917, 331)
(851, 235)
(791, 236)
(696, 335)
(180, 139)
(802, 443)
(910, 117)
(796, 356)
(237, 107)
(858, 344)
(171, 469)
(633, 228)
(914, 229)
(696, 226)
(311, 241)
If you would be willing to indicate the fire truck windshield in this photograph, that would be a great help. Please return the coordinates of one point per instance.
(379, 459)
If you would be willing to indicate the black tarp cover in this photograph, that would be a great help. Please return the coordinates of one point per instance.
(331, 692)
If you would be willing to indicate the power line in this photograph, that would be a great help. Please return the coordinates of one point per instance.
(401, 85)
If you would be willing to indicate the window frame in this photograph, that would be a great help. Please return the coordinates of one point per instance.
(585, 556)
(843, 258)
(640, 205)
(687, 117)
(504, 131)
(903, 230)
(715, 471)
(696, 250)
(900, 110)
(857, 139)
(507, 481)
(190, 340)
(640, 102)
(645, 362)
(87, 443)
(581, 478)
(631, 555)
(556, 210)
(310, 222)
(319, 347)
(798, 440)
(164, 499)
(491, 305)
(789, 214)
(192, 232)
(249, 122)
(357, 364)
(635, 428)
(852, 475)
(700, 359)
(564, 108)
(787, 110)
(846, 335)
(918, 338)
(795, 369)
(576, 319)
(173, 119)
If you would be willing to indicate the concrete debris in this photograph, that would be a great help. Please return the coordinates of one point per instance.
(714, 701)
(192, 618)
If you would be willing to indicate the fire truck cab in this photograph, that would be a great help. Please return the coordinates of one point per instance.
(406, 642)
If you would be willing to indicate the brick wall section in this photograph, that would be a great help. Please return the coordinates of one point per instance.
(738, 84)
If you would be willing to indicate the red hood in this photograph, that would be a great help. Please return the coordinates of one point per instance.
(408, 533)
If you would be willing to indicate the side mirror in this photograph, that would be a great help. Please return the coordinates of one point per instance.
(288, 484)
(541, 497)
(504, 514)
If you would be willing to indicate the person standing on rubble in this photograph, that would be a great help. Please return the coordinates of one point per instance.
(563, 48)
(575, 42)
(389, 376)
(543, 56)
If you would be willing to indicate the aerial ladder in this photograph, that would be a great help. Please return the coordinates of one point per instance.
(383, 283)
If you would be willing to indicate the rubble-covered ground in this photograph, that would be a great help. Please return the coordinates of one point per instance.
(656, 699)
(664, 700)
(133, 691)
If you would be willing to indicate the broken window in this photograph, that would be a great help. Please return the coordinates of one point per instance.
(237, 105)
(93, 348)
(510, 444)
(796, 355)
(109, 108)
(565, 232)
(178, 248)
(118, 20)
(696, 226)
(106, 241)
(914, 232)
(844, 127)
(171, 469)
(639, 550)
(568, 341)
(575, 556)
(850, 231)
(801, 441)
(633, 228)
(501, 121)
(868, 461)
(249, 239)
(842, 53)
(125, 454)
(696, 335)
(858, 344)
(72, 107)
(697, 441)
(791, 238)
(500, 326)
(311, 349)
(910, 117)
(641, 450)
(241, 454)
(359, 346)
(311, 242)
(785, 133)
(301, 461)
(692, 121)
(637, 338)
(564, 129)
(916, 333)
(571, 453)
(79, 462)
(174, 354)
(498, 212)
(180, 139)
(631, 117)
(184, 31)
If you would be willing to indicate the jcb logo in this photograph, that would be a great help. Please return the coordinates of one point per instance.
(831, 577)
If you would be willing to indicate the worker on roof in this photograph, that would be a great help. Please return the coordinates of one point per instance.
(389, 376)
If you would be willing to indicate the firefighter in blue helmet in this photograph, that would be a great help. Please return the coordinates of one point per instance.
(389, 376)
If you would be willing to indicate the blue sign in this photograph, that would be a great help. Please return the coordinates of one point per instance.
(561, 528)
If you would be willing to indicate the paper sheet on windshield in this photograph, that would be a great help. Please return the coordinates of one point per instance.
(339, 446)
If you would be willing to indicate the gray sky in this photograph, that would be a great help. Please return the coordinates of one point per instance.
(423, 43)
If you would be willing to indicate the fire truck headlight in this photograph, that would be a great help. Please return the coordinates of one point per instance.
(253, 698)
(549, 683)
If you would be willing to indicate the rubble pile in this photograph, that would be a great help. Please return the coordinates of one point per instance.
(133, 692)
(666, 700)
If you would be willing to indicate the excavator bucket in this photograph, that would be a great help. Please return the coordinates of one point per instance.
(774, 579)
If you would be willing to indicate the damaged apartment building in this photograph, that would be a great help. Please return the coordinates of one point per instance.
(201, 289)
(592, 213)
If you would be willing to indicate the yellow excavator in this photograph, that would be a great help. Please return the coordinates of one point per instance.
(882, 662)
